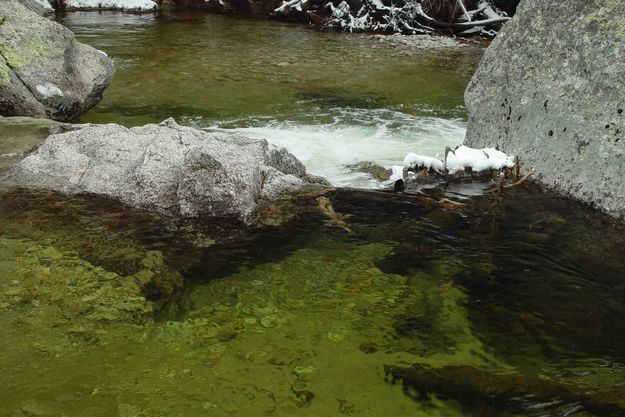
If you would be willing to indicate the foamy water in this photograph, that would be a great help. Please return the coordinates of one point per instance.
(351, 136)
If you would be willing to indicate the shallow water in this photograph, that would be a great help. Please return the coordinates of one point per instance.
(501, 306)
(304, 319)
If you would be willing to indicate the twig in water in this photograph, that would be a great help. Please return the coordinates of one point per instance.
(525, 178)
(519, 182)
(334, 219)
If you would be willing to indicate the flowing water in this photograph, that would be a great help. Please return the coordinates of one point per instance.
(508, 305)
(331, 99)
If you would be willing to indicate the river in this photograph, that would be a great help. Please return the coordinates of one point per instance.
(498, 306)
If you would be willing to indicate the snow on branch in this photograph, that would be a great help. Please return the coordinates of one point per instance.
(460, 160)
(400, 16)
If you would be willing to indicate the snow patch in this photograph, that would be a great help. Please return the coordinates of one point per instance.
(477, 160)
(290, 5)
(398, 173)
(126, 5)
(412, 161)
(461, 159)
(49, 90)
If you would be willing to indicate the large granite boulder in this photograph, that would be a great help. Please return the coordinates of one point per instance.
(165, 167)
(551, 89)
(44, 70)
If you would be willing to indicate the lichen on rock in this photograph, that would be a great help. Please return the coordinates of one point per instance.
(35, 51)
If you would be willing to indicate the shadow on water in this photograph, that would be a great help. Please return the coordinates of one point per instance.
(447, 304)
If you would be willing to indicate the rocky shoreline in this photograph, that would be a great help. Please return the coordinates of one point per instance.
(475, 17)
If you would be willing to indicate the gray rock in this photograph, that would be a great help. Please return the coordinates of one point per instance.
(164, 167)
(42, 7)
(44, 70)
(550, 90)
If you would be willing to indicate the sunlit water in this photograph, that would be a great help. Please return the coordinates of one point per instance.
(502, 307)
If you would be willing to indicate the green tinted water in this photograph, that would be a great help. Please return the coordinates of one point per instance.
(505, 307)
(201, 68)
(308, 320)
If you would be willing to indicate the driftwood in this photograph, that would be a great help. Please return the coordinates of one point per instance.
(482, 388)
(427, 177)
(514, 184)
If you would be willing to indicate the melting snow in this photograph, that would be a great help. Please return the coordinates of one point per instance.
(477, 159)
(461, 159)
(412, 161)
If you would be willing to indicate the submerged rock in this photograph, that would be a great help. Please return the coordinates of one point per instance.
(550, 90)
(376, 171)
(44, 70)
(164, 167)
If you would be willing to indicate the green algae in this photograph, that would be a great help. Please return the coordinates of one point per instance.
(230, 68)
(310, 332)
(19, 47)
(37, 273)
(299, 322)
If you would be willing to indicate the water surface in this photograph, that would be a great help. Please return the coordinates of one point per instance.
(504, 306)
